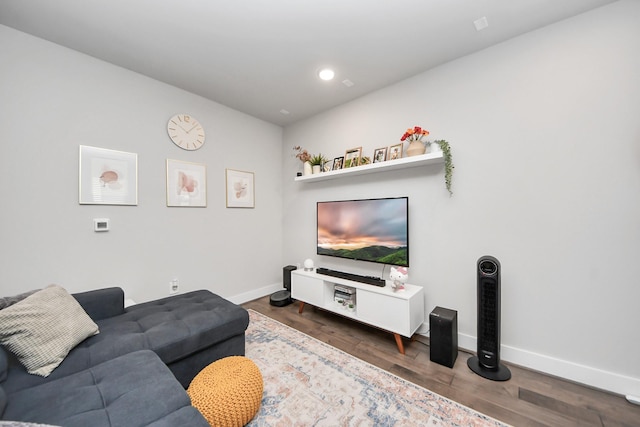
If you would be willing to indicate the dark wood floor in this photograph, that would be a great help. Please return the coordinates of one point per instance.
(528, 399)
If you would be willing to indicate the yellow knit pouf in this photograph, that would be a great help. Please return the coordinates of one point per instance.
(228, 392)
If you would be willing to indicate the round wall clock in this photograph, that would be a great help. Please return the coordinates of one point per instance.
(186, 132)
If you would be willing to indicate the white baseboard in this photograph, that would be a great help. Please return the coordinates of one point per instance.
(255, 294)
(590, 376)
(633, 399)
(583, 374)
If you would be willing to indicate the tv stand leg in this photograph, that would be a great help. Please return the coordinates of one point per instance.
(399, 343)
(301, 307)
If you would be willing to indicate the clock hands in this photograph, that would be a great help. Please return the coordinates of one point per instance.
(193, 127)
(187, 131)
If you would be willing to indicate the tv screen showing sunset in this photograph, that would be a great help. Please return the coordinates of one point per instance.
(367, 230)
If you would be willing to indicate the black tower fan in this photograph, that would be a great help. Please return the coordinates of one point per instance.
(487, 362)
(283, 298)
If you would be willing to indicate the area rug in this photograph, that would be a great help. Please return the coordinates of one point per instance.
(310, 383)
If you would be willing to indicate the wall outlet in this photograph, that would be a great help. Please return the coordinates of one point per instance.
(173, 286)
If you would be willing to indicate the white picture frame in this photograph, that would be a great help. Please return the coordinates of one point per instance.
(107, 177)
(186, 184)
(240, 189)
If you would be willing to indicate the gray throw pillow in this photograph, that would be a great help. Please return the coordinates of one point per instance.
(42, 328)
(9, 301)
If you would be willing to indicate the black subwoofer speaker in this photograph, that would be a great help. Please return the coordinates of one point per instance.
(487, 362)
(443, 336)
(283, 298)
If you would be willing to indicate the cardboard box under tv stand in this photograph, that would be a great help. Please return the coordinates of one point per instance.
(400, 313)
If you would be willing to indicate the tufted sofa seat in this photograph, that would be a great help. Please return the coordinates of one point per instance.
(136, 389)
(128, 365)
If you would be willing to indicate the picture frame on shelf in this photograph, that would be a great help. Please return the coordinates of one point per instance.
(379, 155)
(107, 177)
(186, 184)
(395, 152)
(337, 163)
(352, 157)
(240, 189)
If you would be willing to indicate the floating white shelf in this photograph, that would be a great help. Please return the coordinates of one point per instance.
(389, 165)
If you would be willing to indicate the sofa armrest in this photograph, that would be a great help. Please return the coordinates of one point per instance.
(102, 303)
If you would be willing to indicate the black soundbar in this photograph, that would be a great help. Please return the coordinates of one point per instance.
(369, 280)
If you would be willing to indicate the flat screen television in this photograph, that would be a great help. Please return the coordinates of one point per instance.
(374, 230)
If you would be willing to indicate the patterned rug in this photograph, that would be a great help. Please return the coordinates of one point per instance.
(310, 383)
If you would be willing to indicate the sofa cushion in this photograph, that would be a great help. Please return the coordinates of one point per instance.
(42, 328)
(3, 376)
(4, 364)
(101, 303)
(136, 389)
(3, 401)
(21, 424)
(174, 328)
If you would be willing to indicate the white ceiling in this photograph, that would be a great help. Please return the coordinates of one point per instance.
(261, 57)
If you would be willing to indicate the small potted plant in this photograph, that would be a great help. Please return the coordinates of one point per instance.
(352, 307)
(317, 161)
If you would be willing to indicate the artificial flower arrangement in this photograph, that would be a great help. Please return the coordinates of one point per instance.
(416, 134)
(302, 155)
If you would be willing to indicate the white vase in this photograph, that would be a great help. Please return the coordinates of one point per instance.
(316, 169)
(416, 148)
(434, 148)
(307, 168)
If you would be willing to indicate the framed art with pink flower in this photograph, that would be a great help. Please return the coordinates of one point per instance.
(240, 189)
(107, 177)
(186, 184)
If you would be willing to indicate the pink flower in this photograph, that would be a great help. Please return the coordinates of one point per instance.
(414, 134)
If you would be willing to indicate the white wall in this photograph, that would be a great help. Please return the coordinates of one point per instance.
(545, 136)
(53, 100)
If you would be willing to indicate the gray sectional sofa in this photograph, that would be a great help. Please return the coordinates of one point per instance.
(135, 370)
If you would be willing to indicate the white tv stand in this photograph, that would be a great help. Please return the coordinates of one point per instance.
(400, 313)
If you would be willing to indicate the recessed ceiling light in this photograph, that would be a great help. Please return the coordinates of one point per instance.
(481, 23)
(326, 74)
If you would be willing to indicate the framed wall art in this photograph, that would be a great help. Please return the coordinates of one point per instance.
(395, 152)
(352, 157)
(186, 184)
(380, 155)
(337, 163)
(107, 177)
(240, 189)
